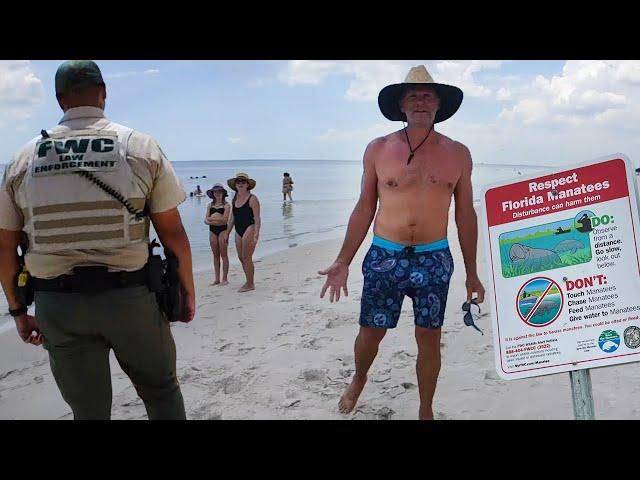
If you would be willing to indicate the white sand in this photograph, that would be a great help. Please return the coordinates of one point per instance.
(281, 352)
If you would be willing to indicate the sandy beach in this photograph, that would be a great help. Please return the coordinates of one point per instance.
(281, 352)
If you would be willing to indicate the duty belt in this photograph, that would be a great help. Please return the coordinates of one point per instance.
(91, 280)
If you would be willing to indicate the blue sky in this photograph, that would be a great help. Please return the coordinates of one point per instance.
(521, 112)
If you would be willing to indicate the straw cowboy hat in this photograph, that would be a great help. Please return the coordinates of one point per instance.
(217, 186)
(389, 96)
(232, 181)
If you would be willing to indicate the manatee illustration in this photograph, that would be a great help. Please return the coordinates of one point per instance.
(544, 307)
(534, 257)
(609, 346)
(568, 246)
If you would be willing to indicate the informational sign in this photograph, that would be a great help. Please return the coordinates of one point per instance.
(563, 254)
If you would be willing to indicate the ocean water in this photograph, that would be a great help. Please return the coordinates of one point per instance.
(324, 195)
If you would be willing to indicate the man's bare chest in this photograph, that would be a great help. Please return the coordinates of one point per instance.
(423, 173)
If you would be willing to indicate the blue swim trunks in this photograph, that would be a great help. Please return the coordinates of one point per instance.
(392, 270)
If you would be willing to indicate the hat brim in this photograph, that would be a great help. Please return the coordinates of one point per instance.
(389, 100)
(232, 184)
(211, 190)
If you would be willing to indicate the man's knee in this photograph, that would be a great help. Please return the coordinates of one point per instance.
(372, 335)
(428, 337)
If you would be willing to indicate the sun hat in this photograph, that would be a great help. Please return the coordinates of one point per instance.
(217, 186)
(241, 175)
(389, 97)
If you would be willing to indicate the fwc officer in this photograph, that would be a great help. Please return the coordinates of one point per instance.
(87, 250)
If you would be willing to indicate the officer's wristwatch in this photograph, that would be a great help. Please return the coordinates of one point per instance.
(18, 311)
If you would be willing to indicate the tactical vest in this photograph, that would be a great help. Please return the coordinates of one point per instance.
(66, 211)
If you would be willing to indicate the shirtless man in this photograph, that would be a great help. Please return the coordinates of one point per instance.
(413, 173)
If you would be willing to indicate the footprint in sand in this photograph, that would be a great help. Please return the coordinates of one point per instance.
(318, 343)
(366, 413)
(313, 375)
(230, 385)
(395, 391)
(6, 374)
(402, 358)
(339, 321)
(347, 360)
(205, 412)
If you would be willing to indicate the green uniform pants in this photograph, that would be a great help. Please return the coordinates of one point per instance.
(79, 330)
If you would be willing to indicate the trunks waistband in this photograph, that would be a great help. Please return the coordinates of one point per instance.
(420, 247)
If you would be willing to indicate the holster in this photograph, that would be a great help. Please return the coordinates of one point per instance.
(164, 281)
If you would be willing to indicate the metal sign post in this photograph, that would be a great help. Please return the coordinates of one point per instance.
(582, 395)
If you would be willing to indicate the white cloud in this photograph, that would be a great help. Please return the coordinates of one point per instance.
(461, 74)
(120, 75)
(585, 91)
(586, 110)
(151, 71)
(503, 94)
(234, 139)
(370, 76)
(21, 91)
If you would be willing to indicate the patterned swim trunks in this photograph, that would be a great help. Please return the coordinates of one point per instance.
(392, 270)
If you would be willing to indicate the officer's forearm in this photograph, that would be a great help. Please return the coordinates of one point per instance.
(9, 265)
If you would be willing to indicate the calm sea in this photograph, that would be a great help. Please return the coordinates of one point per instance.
(324, 195)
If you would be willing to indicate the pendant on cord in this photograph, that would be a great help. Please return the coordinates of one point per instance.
(409, 143)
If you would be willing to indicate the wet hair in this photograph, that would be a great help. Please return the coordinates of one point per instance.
(286, 174)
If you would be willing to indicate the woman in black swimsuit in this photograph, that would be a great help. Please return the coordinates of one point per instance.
(217, 216)
(245, 216)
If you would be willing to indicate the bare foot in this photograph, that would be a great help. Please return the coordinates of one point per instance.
(425, 413)
(224, 282)
(350, 396)
(215, 283)
(246, 288)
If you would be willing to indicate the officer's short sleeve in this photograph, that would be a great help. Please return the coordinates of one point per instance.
(167, 191)
(10, 214)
